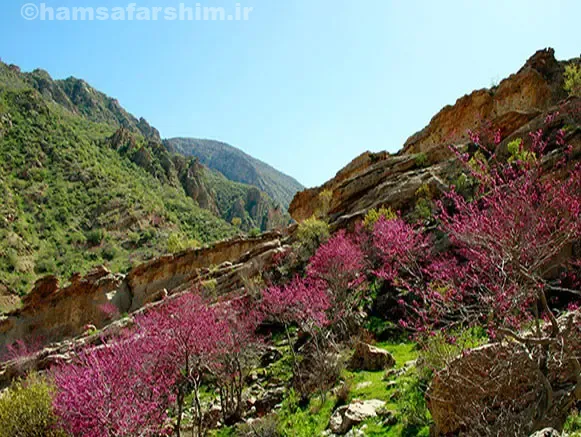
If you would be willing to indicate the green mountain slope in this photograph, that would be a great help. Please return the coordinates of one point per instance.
(238, 166)
(70, 201)
(235, 202)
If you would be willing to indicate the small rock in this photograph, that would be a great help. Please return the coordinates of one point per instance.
(547, 432)
(392, 373)
(270, 356)
(389, 417)
(347, 416)
(363, 385)
(371, 358)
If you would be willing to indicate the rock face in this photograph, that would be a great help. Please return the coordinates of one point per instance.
(378, 179)
(371, 358)
(515, 101)
(345, 417)
(51, 313)
(500, 385)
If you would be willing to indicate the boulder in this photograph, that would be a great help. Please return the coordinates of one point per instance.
(371, 358)
(499, 387)
(269, 400)
(347, 416)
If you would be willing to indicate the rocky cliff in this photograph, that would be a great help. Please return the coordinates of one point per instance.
(516, 107)
(51, 312)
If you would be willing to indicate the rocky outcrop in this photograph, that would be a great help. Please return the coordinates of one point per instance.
(371, 358)
(516, 106)
(347, 416)
(52, 313)
(500, 386)
(515, 101)
(378, 180)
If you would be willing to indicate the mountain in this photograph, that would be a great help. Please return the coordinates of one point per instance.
(84, 183)
(234, 202)
(80, 98)
(238, 166)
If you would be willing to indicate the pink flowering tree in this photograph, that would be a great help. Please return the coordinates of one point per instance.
(120, 389)
(302, 302)
(235, 354)
(506, 246)
(190, 333)
(338, 266)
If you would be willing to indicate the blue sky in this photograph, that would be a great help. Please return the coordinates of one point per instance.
(305, 85)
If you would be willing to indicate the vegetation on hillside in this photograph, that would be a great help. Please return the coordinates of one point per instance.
(69, 202)
(85, 183)
(238, 166)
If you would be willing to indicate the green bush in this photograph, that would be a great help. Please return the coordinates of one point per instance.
(573, 424)
(573, 80)
(440, 349)
(96, 236)
(178, 243)
(518, 153)
(412, 401)
(373, 216)
(313, 233)
(254, 232)
(26, 410)
(422, 160)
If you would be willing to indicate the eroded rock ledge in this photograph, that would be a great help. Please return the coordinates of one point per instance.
(52, 313)
(517, 106)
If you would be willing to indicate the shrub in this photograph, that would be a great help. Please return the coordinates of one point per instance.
(422, 160)
(178, 243)
(96, 236)
(573, 424)
(254, 232)
(439, 350)
(237, 222)
(109, 253)
(26, 409)
(373, 216)
(310, 235)
(412, 401)
(573, 80)
(518, 153)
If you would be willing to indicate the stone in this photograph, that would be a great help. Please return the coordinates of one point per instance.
(270, 356)
(547, 432)
(513, 103)
(54, 313)
(363, 385)
(388, 417)
(373, 180)
(370, 358)
(269, 400)
(507, 373)
(347, 416)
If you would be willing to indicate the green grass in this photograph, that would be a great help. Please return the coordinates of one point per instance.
(403, 353)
